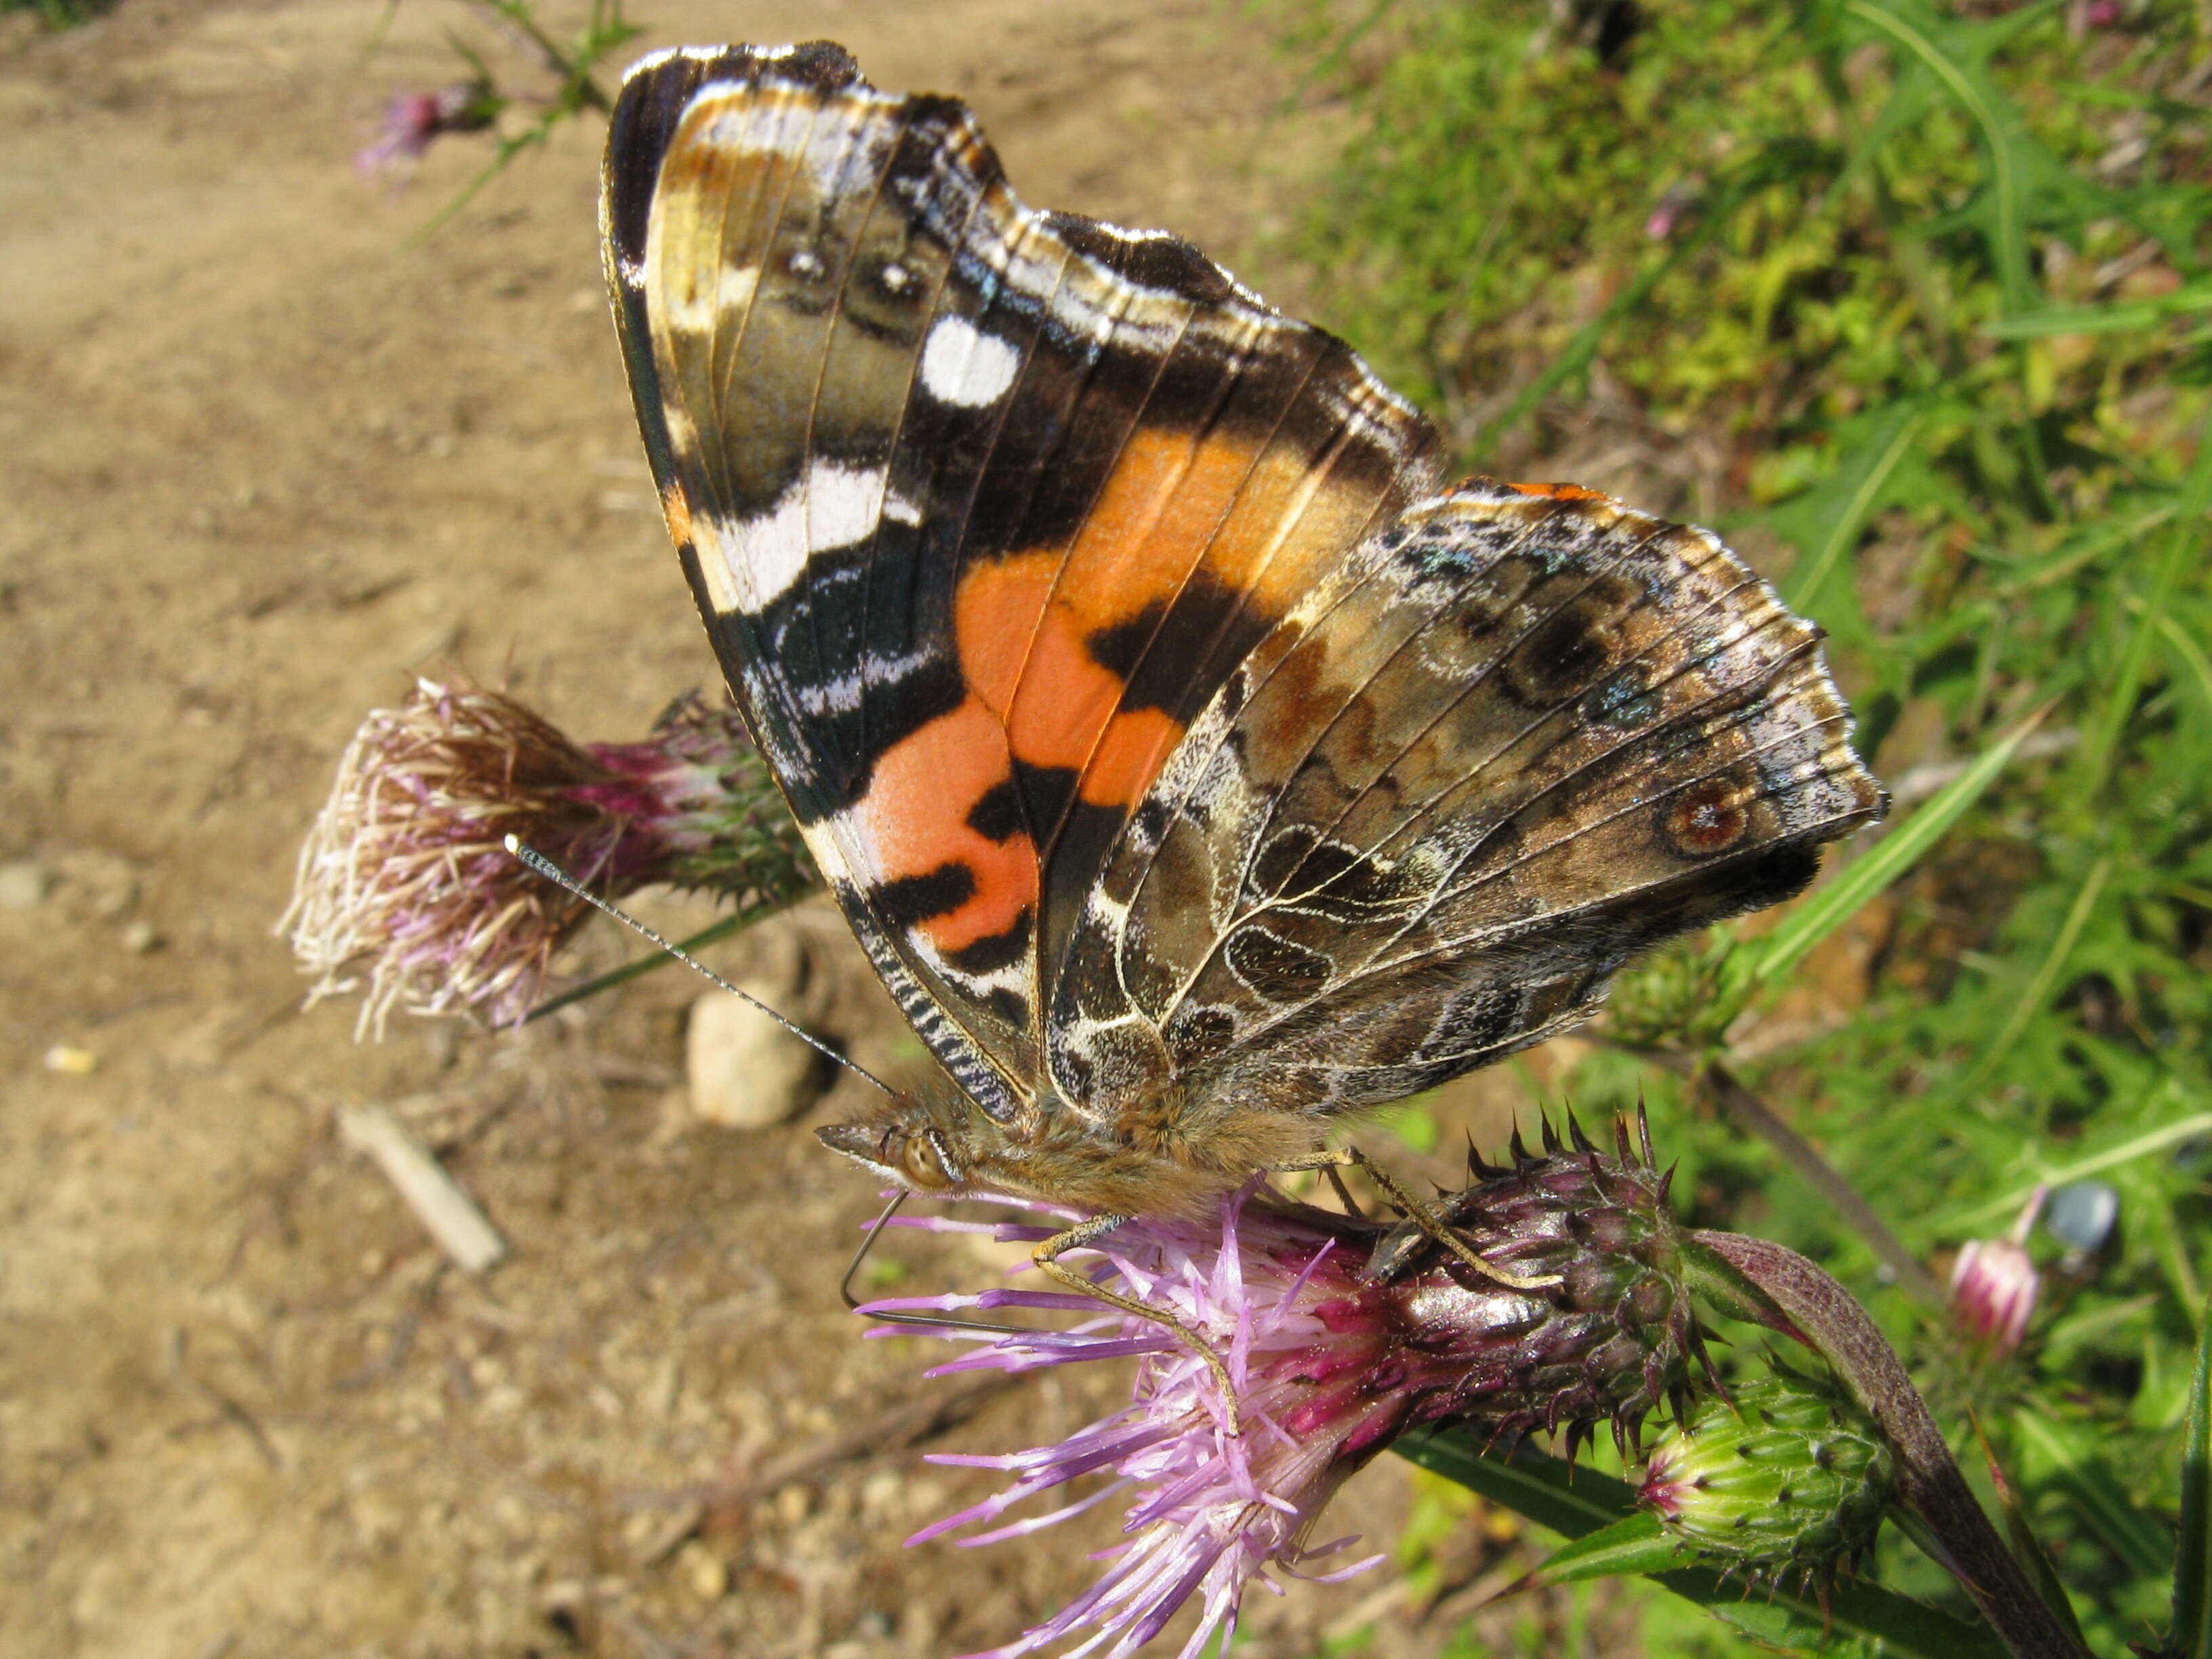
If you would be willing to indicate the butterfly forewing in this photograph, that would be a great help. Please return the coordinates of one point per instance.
(982, 504)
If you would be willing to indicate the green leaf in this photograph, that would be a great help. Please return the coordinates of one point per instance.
(1583, 1505)
(2077, 1169)
(2033, 1558)
(2124, 317)
(1574, 1502)
(2100, 1500)
(2102, 736)
(2041, 984)
(2190, 1636)
(1634, 1546)
(1776, 953)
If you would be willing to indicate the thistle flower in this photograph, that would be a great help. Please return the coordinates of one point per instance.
(405, 872)
(1331, 1357)
(413, 121)
(1994, 1285)
(1791, 1473)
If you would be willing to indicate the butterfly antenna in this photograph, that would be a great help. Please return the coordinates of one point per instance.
(554, 873)
(901, 1315)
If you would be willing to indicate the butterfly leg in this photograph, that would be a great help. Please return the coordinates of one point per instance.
(1046, 1257)
(1419, 1213)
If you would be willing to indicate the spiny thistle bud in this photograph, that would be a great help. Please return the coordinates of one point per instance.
(406, 871)
(1792, 1474)
(1614, 1337)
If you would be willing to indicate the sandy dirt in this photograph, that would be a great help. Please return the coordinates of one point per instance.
(263, 456)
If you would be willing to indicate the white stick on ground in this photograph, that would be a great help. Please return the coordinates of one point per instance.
(449, 1214)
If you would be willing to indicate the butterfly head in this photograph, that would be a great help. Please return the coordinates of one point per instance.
(915, 1146)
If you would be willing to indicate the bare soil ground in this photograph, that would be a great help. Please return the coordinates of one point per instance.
(263, 456)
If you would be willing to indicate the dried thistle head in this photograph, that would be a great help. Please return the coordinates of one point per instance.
(405, 877)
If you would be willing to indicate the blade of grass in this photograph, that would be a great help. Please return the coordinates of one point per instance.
(2122, 318)
(1831, 906)
(2184, 648)
(2191, 1638)
(2025, 1544)
(1631, 1547)
(2038, 992)
(1975, 93)
(2099, 1500)
(1859, 487)
(2142, 1146)
(2101, 734)
(1572, 1503)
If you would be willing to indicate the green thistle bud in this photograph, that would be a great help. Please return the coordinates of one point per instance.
(1613, 1335)
(1791, 1475)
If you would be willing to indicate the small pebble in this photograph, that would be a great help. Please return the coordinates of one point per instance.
(24, 885)
(744, 1069)
(71, 1061)
(140, 938)
(709, 1574)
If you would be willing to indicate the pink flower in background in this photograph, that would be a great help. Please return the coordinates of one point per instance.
(1994, 1285)
(414, 120)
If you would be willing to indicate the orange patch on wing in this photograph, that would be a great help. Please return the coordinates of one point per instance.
(920, 795)
(1259, 522)
(677, 511)
(1256, 522)
(1129, 757)
(1561, 492)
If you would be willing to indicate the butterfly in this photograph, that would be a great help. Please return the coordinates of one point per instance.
(1195, 766)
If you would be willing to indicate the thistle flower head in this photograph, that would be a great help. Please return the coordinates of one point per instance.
(1995, 1284)
(1618, 1332)
(405, 874)
(1791, 1474)
(1330, 1364)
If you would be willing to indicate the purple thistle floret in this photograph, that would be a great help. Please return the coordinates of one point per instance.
(1327, 1367)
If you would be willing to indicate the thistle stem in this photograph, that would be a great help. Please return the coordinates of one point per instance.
(1808, 1304)
(1748, 1111)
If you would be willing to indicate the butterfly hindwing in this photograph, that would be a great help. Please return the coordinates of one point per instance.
(982, 504)
(1524, 736)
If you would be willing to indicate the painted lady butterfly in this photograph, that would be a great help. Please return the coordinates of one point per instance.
(1195, 767)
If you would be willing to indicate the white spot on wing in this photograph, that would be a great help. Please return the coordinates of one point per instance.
(844, 503)
(964, 366)
(750, 562)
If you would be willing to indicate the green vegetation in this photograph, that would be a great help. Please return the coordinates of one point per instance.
(1921, 286)
(59, 14)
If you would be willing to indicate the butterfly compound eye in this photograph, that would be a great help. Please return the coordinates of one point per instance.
(924, 1161)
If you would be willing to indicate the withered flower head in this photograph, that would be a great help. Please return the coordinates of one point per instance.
(406, 875)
